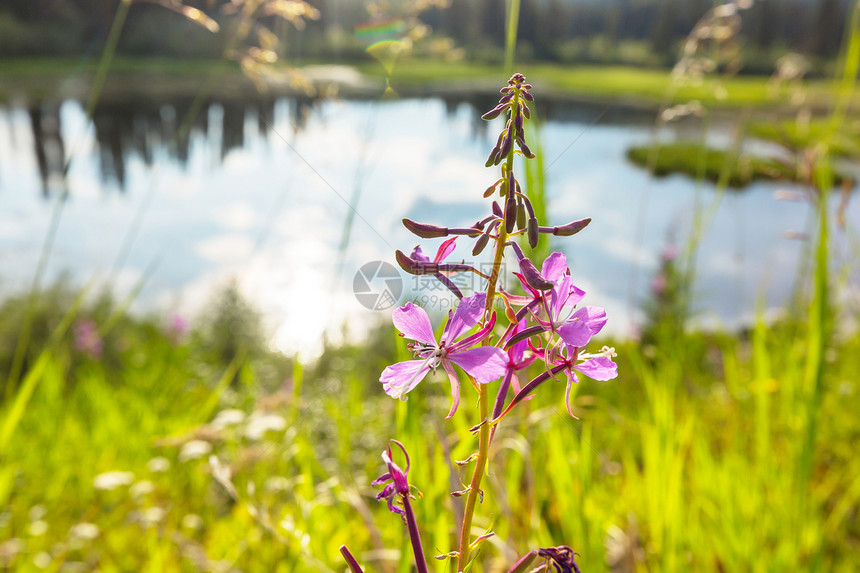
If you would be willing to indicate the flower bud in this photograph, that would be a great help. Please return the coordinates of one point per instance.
(506, 98)
(525, 148)
(521, 215)
(491, 160)
(518, 120)
(533, 278)
(424, 230)
(510, 211)
(414, 267)
(494, 113)
(569, 229)
(491, 189)
(504, 149)
(497, 211)
(528, 96)
(481, 242)
(533, 233)
(526, 111)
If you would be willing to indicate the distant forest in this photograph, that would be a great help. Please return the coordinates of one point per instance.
(642, 32)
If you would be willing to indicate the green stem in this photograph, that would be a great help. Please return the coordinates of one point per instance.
(483, 401)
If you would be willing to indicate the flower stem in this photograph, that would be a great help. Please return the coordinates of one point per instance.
(483, 403)
(414, 536)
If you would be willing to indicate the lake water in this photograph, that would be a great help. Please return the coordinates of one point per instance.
(263, 192)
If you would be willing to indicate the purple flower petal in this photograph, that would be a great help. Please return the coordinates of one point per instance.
(593, 316)
(400, 378)
(381, 479)
(445, 249)
(575, 333)
(393, 508)
(455, 387)
(600, 368)
(574, 295)
(485, 363)
(554, 267)
(413, 321)
(466, 316)
(419, 255)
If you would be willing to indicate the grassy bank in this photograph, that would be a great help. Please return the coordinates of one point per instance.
(716, 165)
(696, 458)
(641, 87)
(621, 84)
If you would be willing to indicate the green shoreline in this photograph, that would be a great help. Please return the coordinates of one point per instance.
(613, 85)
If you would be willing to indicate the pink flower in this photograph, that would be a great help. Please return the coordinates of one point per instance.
(87, 339)
(574, 326)
(484, 363)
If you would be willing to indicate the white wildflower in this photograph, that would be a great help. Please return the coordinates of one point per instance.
(194, 449)
(227, 418)
(84, 530)
(112, 480)
(260, 423)
(142, 488)
(42, 560)
(158, 464)
(192, 521)
(38, 528)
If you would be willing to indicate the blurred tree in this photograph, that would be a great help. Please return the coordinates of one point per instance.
(829, 25)
(662, 36)
(461, 21)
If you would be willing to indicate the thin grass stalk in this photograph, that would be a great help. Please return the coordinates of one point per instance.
(56, 213)
(511, 34)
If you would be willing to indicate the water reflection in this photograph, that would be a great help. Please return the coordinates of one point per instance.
(291, 196)
(146, 127)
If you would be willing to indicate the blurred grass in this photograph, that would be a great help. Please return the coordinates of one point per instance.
(700, 162)
(622, 84)
(692, 460)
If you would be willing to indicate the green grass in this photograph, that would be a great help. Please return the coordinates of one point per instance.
(610, 83)
(797, 136)
(693, 459)
(648, 86)
(695, 160)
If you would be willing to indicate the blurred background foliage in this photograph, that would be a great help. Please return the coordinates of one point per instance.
(184, 443)
(641, 32)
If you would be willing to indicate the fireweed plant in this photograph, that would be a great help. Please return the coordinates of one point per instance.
(544, 325)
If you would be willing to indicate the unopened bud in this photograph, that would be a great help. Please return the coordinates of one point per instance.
(491, 160)
(424, 230)
(497, 211)
(494, 113)
(521, 215)
(481, 242)
(533, 278)
(533, 232)
(491, 189)
(526, 111)
(571, 228)
(528, 96)
(518, 120)
(525, 148)
(504, 149)
(509, 311)
(510, 211)
(414, 267)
